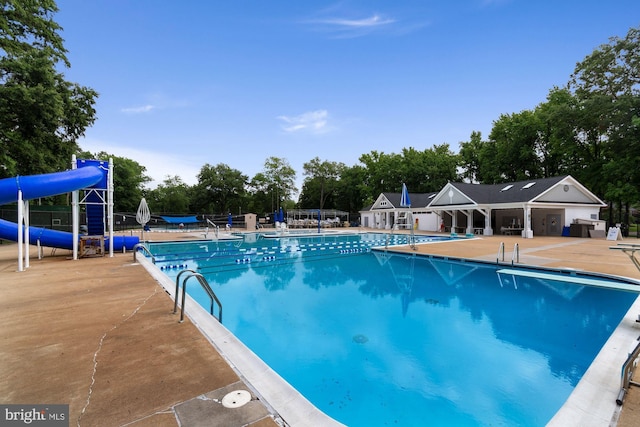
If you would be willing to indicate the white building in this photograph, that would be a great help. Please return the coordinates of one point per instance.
(542, 207)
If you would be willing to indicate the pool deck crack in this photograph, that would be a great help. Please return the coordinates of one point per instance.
(97, 352)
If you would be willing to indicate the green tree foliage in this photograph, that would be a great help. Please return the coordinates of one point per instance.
(320, 184)
(470, 158)
(607, 86)
(422, 171)
(515, 137)
(351, 193)
(220, 189)
(261, 201)
(274, 186)
(384, 172)
(172, 196)
(41, 114)
(612, 70)
(556, 120)
(440, 165)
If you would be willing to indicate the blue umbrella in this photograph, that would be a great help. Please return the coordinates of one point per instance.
(281, 215)
(229, 220)
(405, 201)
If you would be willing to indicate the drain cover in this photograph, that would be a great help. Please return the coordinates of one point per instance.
(236, 399)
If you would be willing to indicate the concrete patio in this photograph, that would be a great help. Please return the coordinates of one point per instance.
(99, 334)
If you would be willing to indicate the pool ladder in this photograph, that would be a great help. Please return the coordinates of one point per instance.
(627, 373)
(141, 246)
(205, 285)
(515, 256)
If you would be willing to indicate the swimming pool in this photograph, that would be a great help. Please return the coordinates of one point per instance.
(404, 340)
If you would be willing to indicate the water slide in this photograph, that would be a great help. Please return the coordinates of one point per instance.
(51, 184)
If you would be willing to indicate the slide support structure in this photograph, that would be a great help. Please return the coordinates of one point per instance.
(75, 213)
(20, 232)
(110, 207)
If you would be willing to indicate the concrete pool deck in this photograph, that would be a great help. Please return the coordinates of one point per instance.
(99, 334)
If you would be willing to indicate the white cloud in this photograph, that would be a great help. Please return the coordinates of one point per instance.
(138, 110)
(341, 27)
(373, 21)
(312, 122)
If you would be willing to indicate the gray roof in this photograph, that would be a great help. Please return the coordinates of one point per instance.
(418, 200)
(511, 192)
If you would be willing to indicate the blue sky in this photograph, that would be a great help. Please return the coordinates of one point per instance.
(183, 84)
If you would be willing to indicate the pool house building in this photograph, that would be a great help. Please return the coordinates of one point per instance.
(542, 207)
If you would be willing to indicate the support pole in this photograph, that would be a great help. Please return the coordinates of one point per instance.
(75, 213)
(20, 232)
(110, 206)
(26, 234)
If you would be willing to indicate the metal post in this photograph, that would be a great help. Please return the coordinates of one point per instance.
(75, 212)
(20, 231)
(26, 234)
(110, 207)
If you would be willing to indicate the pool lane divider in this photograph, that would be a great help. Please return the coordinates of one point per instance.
(269, 255)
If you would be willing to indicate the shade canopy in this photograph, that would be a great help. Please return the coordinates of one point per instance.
(180, 219)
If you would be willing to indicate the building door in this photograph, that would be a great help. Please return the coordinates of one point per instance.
(554, 227)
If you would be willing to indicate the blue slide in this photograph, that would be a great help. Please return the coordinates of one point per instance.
(51, 184)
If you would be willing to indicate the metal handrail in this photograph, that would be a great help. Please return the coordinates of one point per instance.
(145, 249)
(216, 229)
(516, 254)
(412, 233)
(205, 285)
(500, 251)
(175, 295)
(627, 372)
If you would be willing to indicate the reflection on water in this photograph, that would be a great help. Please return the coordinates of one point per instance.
(374, 338)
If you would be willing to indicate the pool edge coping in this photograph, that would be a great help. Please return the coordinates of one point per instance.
(278, 395)
(591, 403)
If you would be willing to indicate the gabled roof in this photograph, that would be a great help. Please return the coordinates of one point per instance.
(418, 200)
(561, 189)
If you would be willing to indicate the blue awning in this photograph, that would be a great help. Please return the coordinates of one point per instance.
(180, 219)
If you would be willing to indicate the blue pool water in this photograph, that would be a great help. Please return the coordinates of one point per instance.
(379, 339)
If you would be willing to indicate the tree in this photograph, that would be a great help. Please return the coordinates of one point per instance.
(321, 182)
(516, 138)
(470, 157)
(41, 114)
(612, 70)
(607, 85)
(260, 198)
(422, 171)
(220, 189)
(352, 192)
(556, 146)
(383, 172)
(439, 165)
(172, 196)
(279, 178)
